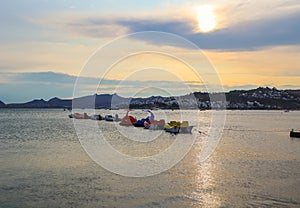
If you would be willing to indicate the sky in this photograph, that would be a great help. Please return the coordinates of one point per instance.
(46, 45)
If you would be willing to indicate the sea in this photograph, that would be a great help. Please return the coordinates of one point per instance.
(45, 161)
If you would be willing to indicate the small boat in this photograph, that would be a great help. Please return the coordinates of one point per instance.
(128, 120)
(178, 127)
(173, 129)
(155, 124)
(112, 118)
(109, 118)
(79, 116)
(295, 133)
(141, 122)
(97, 117)
(186, 130)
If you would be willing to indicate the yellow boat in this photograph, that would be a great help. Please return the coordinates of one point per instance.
(178, 127)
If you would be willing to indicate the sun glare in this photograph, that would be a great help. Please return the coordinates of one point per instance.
(206, 18)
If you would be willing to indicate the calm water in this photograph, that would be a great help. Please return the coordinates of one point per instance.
(256, 164)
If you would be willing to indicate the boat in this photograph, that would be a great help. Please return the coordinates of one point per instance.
(295, 133)
(141, 122)
(112, 118)
(186, 130)
(155, 124)
(128, 120)
(79, 116)
(97, 117)
(173, 129)
(176, 127)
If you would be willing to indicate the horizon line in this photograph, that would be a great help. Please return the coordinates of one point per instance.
(56, 97)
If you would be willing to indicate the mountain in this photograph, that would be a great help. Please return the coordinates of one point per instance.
(263, 98)
(59, 103)
(2, 104)
(100, 101)
(32, 104)
(260, 98)
(52, 103)
(91, 101)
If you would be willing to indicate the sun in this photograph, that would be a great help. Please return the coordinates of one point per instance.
(206, 18)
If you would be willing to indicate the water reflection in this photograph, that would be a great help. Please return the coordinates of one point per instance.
(43, 165)
(205, 185)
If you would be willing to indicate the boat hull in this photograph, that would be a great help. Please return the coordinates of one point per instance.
(178, 127)
(186, 130)
(295, 134)
(127, 120)
(173, 130)
(140, 123)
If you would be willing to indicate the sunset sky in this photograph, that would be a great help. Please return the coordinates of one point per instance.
(46, 44)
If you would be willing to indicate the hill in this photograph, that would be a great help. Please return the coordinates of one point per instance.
(2, 104)
(52, 103)
(260, 98)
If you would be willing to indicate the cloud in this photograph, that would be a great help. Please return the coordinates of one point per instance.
(240, 28)
(248, 35)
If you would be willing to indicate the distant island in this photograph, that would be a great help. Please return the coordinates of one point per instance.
(261, 98)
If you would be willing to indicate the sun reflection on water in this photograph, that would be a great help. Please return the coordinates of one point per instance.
(206, 184)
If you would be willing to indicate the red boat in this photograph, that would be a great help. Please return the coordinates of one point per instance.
(79, 116)
(128, 120)
(155, 124)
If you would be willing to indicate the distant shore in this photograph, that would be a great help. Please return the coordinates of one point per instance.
(255, 99)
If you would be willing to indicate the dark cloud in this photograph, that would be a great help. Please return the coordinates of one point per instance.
(245, 35)
(176, 27)
(248, 35)
(43, 77)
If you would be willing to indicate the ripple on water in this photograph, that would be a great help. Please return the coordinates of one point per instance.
(256, 164)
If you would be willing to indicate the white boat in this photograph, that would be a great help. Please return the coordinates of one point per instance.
(112, 118)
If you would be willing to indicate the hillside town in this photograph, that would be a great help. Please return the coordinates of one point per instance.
(260, 98)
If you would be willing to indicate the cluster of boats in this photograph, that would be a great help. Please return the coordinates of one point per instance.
(149, 122)
(95, 117)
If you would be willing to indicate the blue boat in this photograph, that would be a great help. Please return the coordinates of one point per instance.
(141, 122)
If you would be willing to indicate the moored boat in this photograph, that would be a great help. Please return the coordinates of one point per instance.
(96, 117)
(155, 124)
(112, 118)
(79, 116)
(186, 130)
(141, 122)
(173, 129)
(128, 120)
(178, 127)
(295, 133)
